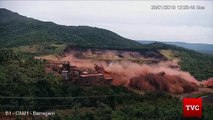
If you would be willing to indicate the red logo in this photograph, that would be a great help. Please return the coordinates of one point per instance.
(192, 107)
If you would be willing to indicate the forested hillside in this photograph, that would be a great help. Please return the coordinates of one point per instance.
(199, 47)
(18, 30)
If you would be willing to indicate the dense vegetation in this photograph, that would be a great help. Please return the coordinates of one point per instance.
(18, 30)
(197, 64)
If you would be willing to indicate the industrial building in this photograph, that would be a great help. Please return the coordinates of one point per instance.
(72, 74)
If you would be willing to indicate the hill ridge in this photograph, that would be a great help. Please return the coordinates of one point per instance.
(20, 30)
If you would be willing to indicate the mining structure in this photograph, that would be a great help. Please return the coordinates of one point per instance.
(72, 74)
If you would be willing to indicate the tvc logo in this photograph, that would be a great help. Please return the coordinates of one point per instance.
(192, 107)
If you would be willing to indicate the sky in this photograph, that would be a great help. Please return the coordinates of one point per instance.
(131, 19)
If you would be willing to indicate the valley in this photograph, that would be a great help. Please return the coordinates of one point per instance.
(83, 72)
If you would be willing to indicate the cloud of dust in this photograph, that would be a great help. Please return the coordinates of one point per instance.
(123, 71)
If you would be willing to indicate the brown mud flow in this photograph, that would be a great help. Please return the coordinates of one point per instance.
(131, 69)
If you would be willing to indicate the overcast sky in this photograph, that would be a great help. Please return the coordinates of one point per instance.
(130, 19)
